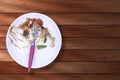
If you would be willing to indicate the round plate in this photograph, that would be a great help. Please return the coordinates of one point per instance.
(42, 57)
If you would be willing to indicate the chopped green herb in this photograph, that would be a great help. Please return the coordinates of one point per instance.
(45, 38)
(41, 46)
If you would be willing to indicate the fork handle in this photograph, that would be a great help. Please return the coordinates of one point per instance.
(31, 55)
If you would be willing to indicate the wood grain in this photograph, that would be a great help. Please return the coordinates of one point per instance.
(83, 43)
(4, 56)
(64, 67)
(60, 76)
(88, 55)
(39, 6)
(90, 31)
(76, 31)
(59, 6)
(3, 31)
(91, 43)
(45, 76)
(67, 55)
(71, 18)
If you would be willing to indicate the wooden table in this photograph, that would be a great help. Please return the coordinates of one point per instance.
(91, 39)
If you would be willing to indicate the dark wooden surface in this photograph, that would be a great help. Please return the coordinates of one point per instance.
(91, 39)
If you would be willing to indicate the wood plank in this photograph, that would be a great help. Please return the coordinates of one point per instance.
(40, 76)
(89, 55)
(3, 31)
(91, 43)
(77, 55)
(4, 56)
(81, 31)
(64, 67)
(83, 43)
(60, 6)
(2, 43)
(61, 76)
(71, 18)
(39, 6)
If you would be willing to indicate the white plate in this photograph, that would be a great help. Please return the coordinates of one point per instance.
(42, 57)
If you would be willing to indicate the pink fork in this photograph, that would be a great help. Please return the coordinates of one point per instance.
(31, 55)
